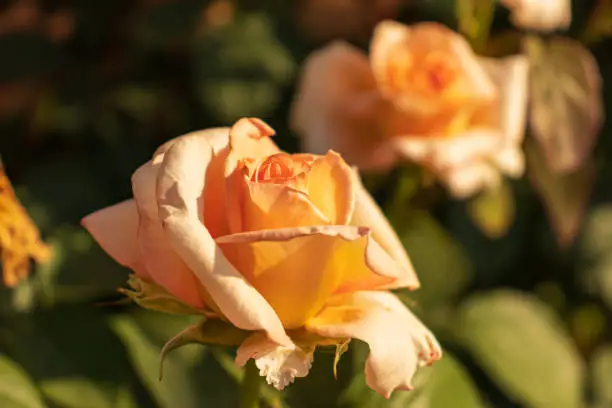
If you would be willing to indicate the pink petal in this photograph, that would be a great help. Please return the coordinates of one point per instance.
(115, 230)
(181, 181)
(399, 342)
(338, 107)
(163, 265)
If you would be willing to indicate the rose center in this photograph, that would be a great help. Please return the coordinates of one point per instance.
(278, 166)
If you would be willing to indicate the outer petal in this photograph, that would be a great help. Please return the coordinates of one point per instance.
(545, 15)
(510, 75)
(338, 107)
(332, 188)
(441, 153)
(279, 364)
(367, 213)
(393, 41)
(115, 230)
(181, 181)
(465, 181)
(399, 342)
(297, 269)
(163, 265)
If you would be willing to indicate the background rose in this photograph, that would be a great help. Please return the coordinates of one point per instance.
(422, 96)
(269, 241)
(544, 15)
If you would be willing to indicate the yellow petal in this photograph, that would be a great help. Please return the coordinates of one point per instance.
(331, 188)
(368, 213)
(298, 269)
(399, 342)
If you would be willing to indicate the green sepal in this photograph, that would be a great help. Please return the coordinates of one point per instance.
(151, 296)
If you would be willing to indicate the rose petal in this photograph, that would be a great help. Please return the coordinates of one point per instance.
(249, 138)
(272, 206)
(338, 107)
(510, 76)
(399, 342)
(442, 153)
(180, 184)
(297, 269)
(544, 15)
(367, 213)
(115, 229)
(392, 39)
(279, 364)
(331, 188)
(465, 181)
(163, 265)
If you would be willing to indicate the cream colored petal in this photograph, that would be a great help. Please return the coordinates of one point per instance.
(441, 153)
(115, 229)
(368, 213)
(399, 342)
(163, 265)
(337, 106)
(181, 181)
(544, 15)
(279, 364)
(465, 181)
(510, 76)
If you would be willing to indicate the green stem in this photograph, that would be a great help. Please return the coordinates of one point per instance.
(251, 386)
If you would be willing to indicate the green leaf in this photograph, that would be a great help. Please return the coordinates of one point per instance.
(521, 344)
(475, 18)
(72, 355)
(493, 210)
(564, 196)
(191, 377)
(601, 372)
(566, 101)
(596, 247)
(16, 389)
(241, 68)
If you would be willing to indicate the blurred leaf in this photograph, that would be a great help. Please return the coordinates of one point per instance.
(475, 18)
(72, 356)
(493, 210)
(191, 377)
(31, 56)
(597, 250)
(564, 196)
(523, 347)
(442, 277)
(241, 67)
(566, 101)
(16, 389)
(601, 371)
(445, 384)
(599, 24)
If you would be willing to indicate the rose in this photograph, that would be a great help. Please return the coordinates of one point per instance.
(423, 96)
(272, 243)
(544, 15)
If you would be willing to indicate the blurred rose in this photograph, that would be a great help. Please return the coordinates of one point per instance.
(227, 223)
(544, 15)
(19, 238)
(423, 96)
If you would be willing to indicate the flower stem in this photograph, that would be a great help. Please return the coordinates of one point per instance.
(251, 386)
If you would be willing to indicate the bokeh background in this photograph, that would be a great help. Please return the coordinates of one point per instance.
(89, 89)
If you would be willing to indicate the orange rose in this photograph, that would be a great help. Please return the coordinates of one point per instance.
(423, 96)
(272, 243)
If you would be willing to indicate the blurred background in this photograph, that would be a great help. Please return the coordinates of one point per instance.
(89, 89)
